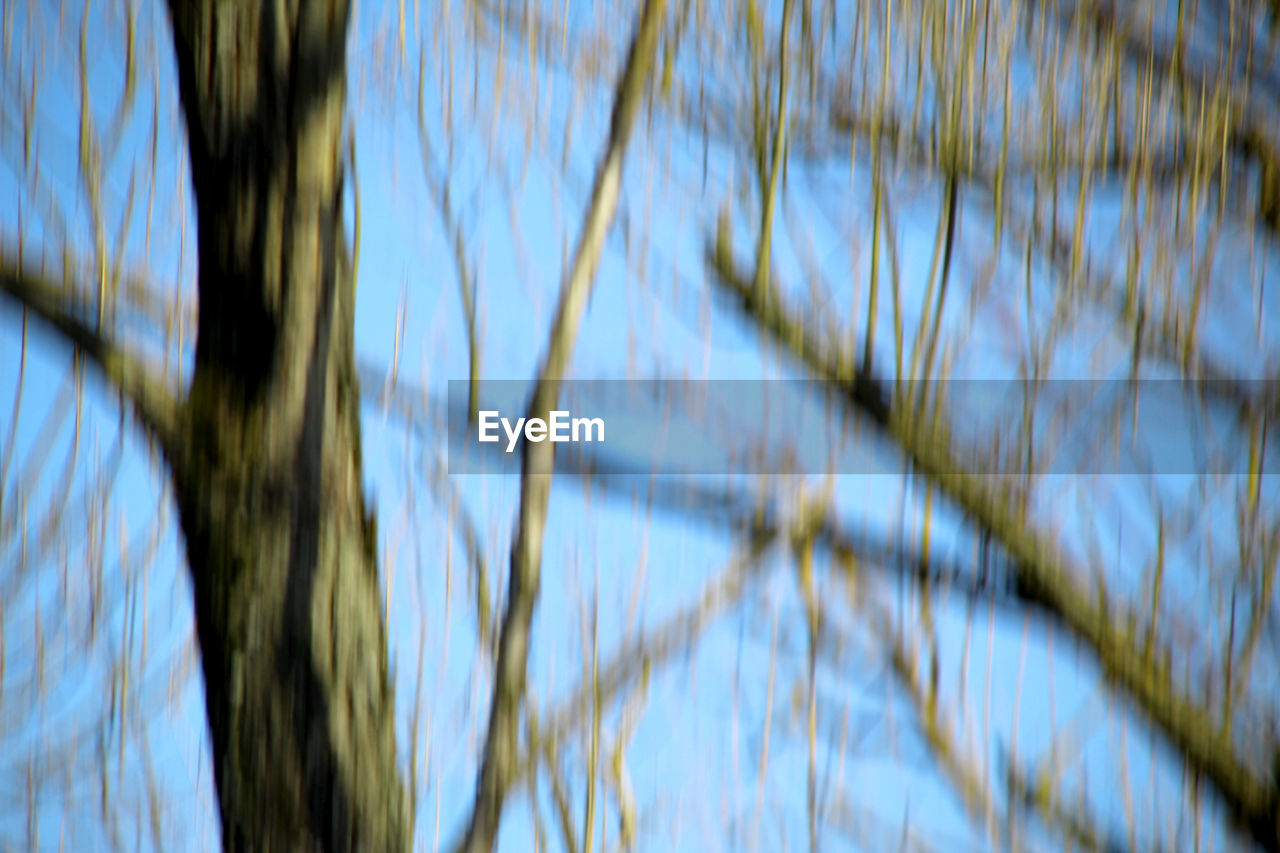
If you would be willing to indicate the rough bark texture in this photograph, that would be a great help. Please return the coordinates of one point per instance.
(281, 548)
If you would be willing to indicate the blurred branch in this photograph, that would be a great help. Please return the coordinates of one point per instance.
(446, 494)
(1043, 574)
(1037, 798)
(678, 632)
(439, 188)
(986, 578)
(156, 407)
(988, 581)
(498, 766)
(969, 782)
(546, 753)
(1251, 119)
(1163, 341)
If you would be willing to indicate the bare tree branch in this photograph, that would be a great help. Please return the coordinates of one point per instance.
(158, 410)
(674, 634)
(985, 578)
(1039, 801)
(960, 768)
(1043, 574)
(498, 767)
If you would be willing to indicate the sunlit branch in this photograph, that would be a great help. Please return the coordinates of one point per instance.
(498, 766)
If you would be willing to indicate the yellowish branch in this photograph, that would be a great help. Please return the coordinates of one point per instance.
(499, 765)
(1043, 574)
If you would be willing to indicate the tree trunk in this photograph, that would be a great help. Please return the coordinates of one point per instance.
(281, 549)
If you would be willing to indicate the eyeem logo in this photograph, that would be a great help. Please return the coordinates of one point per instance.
(560, 428)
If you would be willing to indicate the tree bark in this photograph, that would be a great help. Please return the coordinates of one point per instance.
(281, 548)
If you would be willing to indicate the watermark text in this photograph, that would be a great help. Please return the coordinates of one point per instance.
(561, 427)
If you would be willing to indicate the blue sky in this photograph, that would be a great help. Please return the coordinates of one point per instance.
(693, 759)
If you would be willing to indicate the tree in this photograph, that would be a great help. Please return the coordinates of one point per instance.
(264, 447)
(1050, 126)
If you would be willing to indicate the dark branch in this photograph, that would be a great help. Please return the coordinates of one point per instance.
(1042, 573)
(156, 407)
